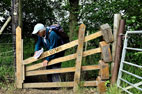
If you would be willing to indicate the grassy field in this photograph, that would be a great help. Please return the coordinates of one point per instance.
(6, 61)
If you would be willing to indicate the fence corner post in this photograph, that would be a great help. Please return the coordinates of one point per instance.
(18, 58)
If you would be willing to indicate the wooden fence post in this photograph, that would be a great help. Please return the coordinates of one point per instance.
(79, 57)
(18, 58)
(117, 18)
(117, 57)
(100, 86)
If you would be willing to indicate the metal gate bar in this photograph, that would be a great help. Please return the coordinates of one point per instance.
(129, 63)
(121, 70)
(130, 84)
(125, 90)
(131, 74)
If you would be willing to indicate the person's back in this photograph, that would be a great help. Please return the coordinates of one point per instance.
(50, 40)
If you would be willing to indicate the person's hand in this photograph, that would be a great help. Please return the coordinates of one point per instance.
(45, 63)
(34, 53)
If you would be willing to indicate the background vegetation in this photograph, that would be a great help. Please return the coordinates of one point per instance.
(70, 14)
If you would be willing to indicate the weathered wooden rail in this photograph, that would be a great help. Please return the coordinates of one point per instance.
(31, 70)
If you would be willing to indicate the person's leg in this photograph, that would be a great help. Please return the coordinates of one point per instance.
(56, 77)
(49, 76)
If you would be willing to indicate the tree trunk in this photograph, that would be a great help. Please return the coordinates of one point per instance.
(14, 25)
(74, 7)
(20, 13)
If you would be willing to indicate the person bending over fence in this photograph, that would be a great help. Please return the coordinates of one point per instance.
(50, 37)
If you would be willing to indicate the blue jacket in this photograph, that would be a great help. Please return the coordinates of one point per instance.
(52, 41)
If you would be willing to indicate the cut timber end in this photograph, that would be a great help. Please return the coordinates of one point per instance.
(106, 53)
(101, 85)
(104, 70)
(82, 28)
(107, 33)
(18, 29)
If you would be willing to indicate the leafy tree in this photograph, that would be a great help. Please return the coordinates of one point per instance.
(4, 12)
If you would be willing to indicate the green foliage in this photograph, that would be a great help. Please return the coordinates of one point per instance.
(99, 12)
(113, 89)
(4, 5)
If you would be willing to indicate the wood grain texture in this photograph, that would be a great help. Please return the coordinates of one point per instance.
(61, 70)
(23, 66)
(104, 70)
(106, 53)
(107, 33)
(62, 47)
(63, 59)
(57, 84)
(117, 18)
(116, 25)
(18, 58)
(101, 86)
(79, 57)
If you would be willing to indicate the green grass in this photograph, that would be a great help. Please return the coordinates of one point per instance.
(6, 65)
(113, 89)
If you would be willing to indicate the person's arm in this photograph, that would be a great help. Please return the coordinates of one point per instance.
(38, 44)
(53, 38)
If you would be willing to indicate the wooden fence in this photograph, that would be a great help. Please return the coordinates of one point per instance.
(23, 70)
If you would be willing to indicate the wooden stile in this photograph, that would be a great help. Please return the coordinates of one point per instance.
(23, 69)
(79, 57)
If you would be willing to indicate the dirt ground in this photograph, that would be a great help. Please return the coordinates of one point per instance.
(47, 91)
(35, 91)
(10, 89)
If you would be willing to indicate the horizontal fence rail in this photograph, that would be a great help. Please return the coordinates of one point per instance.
(57, 84)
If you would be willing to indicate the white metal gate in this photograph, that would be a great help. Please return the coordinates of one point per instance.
(130, 73)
